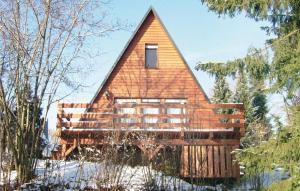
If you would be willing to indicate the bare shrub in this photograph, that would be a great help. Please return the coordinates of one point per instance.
(40, 42)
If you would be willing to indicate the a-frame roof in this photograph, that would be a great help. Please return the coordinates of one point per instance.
(150, 11)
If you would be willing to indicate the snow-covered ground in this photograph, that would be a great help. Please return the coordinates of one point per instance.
(77, 175)
(82, 175)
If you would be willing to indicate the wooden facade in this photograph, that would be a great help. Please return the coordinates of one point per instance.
(165, 102)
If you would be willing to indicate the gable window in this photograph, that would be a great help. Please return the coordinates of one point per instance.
(151, 55)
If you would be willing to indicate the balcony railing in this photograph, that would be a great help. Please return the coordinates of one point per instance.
(76, 117)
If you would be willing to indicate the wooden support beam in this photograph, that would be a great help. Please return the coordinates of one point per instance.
(154, 152)
(173, 142)
(133, 105)
(63, 150)
(151, 151)
(108, 125)
(70, 149)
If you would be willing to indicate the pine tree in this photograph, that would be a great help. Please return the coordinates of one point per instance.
(242, 90)
(283, 150)
(221, 92)
(284, 17)
(242, 93)
(250, 73)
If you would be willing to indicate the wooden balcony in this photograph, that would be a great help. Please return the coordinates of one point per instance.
(207, 134)
(209, 118)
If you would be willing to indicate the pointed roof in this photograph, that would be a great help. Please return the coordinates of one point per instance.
(150, 11)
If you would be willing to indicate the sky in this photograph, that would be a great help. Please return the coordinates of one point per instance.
(200, 35)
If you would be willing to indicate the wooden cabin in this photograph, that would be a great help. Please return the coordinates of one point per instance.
(151, 90)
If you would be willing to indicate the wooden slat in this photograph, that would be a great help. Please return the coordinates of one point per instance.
(109, 115)
(235, 165)
(96, 124)
(153, 105)
(186, 161)
(59, 119)
(85, 124)
(86, 115)
(204, 161)
(149, 105)
(216, 117)
(182, 163)
(222, 161)
(198, 161)
(216, 161)
(193, 160)
(146, 125)
(228, 161)
(189, 161)
(78, 105)
(226, 125)
(202, 142)
(188, 134)
(229, 116)
(224, 106)
(210, 161)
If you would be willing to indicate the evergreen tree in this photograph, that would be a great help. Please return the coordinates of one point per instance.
(284, 17)
(283, 150)
(250, 73)
(221, 92)
(241, 94)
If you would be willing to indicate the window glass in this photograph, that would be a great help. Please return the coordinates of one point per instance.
(151, 56)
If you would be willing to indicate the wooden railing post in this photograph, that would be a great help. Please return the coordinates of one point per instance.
(185, 120)
(59, 119)
(139, 111)
(162, 111)
(63, 151)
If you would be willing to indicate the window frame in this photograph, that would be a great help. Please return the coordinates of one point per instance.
(155, 47)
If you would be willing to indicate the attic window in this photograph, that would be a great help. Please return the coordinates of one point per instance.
(151, 55)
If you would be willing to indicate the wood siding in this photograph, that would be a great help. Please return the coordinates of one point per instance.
(172, 78)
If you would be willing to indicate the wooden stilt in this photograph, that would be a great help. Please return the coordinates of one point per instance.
(151, 152)
(63, 150)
